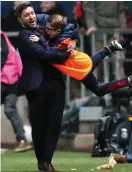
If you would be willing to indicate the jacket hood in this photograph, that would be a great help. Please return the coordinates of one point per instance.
(70, 31)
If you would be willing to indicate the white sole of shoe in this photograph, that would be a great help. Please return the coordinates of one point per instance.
(23, 149)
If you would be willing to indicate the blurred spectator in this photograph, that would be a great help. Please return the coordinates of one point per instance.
(11, 70)
(51, 7)
(127, 40)
(104, 14)
(125, 158)
(79, 16)
(127, 45)
(128, 12)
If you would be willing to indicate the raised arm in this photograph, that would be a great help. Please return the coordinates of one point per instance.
(38, 51)
(42, 41)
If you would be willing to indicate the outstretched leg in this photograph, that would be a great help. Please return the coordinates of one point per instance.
(91, 82)
(98, 57)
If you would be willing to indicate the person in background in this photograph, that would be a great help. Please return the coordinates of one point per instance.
(127, 158)
(51, 7)
(79, 15)
(126, 41)
(11, 70)
(98, 15)
(123, 100)
(80, 19)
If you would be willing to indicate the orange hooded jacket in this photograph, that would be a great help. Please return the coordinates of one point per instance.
(78, 65)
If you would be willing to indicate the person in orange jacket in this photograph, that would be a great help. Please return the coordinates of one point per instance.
(79, 65)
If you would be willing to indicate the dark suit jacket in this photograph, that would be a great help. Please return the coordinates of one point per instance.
(35, 61)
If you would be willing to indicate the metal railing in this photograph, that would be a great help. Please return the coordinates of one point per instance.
(116, 33)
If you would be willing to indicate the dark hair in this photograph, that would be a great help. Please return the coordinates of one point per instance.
(57, 21)
(19, 9)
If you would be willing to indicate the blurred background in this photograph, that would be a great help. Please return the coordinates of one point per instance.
(98, 26)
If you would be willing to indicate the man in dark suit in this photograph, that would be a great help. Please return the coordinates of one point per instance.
(44, 87)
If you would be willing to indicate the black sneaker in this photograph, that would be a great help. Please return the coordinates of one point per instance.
(114, 46)
(130, 81)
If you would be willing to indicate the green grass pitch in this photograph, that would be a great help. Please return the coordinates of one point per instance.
(63, 162)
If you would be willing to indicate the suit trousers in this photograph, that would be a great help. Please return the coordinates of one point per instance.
(46, 107)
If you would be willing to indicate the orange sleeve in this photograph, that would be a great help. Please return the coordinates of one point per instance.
(63, 44)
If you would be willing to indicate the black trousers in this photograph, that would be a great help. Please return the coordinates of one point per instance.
(46, 107)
